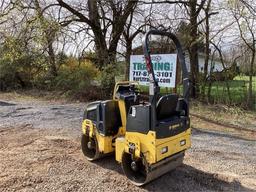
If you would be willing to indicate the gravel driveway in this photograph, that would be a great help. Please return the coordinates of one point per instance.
(40, 151)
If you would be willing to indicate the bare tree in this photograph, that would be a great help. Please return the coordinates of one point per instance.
(132, 29)
(106, 20)
(208, 13)
(245, 20)
(49, 31)
(193, 8)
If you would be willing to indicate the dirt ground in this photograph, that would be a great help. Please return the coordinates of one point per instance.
(40, 151)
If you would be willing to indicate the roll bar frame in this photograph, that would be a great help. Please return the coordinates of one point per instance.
(154, 88)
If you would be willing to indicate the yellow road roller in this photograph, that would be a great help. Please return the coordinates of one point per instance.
(148, 138)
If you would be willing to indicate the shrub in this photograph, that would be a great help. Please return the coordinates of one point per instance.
(92, 93)
(19, 68)
(74, 78)
(108, 80)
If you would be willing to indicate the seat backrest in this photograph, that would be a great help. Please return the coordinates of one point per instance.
(166, 106)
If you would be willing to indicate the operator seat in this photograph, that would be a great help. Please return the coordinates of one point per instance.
(171, 112)
(166, 106)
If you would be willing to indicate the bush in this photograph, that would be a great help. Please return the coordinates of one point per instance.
(19, 68)
(75, 77)
(92, 93)
(108, 80)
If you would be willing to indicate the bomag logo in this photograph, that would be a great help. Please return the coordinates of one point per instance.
(156, 58)
(176, 126)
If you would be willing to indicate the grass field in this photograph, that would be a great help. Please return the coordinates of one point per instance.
(238, 89)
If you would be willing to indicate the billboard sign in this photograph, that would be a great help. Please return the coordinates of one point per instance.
(164, 66)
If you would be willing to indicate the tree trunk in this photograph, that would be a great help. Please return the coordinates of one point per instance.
(127, 58)
(52, 66)
(210, 75)
(207, 48)
(20, 80)
(250, 94)
(193, 49)
(99, 37)
(105, 51)
(49, 34)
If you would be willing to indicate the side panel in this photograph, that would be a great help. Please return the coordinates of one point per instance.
(174, 145)
(138, 119)
(105, 144)
(120, 145)
(165, 140)
(146, 142)
(152, 148)
(108, 118)
(173, 126)
(122, 109)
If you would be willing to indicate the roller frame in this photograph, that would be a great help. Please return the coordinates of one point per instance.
(158, 169)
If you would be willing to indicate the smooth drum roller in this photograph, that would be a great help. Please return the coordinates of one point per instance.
(149, 138)
(139, 173)
(90, 147)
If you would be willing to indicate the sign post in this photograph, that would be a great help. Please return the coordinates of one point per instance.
(164, 65)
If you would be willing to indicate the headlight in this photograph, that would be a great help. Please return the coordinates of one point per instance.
(182, 142)
(164, 150)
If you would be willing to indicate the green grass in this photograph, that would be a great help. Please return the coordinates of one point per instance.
(219, 94)
(238, 90)
(246, 79)
(163, 90)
